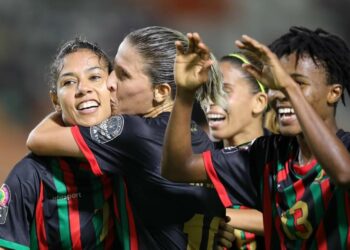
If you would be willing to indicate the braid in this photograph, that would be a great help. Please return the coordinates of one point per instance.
(325, 49)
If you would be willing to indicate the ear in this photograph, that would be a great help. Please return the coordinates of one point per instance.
(54, 100)
(161, 92)
(334, 93)
(260, 103)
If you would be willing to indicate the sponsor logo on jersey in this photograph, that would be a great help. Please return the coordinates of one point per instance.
(5, 198)
(108, 129)
(66, 196)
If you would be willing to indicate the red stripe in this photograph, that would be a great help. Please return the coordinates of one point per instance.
(115, 206)
(86, 151)
(267, 212)
(39, 215)
(220, 189)
(299, 189)
(321, 238)
(280, 233)
(347, 207)
(73, 208)
(326, 192)
(133, 233)
(111, 234)
(304, 169)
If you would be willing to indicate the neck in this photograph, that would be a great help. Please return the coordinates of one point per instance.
(157, 110)
(305, 155)
(249, 134)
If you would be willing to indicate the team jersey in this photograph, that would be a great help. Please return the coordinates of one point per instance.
(302, 207)
(50, 203)
(132, 146)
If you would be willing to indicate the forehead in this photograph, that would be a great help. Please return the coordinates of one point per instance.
(80, 59)
(305, 66)
(128, 57)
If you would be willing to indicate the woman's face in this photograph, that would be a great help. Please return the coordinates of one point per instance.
(132, 89)
(82, 94)
(225, 124)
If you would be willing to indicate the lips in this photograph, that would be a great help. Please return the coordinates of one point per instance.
(286, 115)
(88, 105)
(214, 119)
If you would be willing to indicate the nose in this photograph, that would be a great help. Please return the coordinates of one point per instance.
(275, 95)
(112, 82)
(83, 87)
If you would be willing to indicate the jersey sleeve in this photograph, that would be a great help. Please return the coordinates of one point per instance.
(233, 177)
(111, 146)
(18, 196)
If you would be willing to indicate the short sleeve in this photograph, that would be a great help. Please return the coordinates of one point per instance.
(18, 196)
(233, 177)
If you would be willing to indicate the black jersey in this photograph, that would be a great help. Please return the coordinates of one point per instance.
(50, 203)
(302, 207)
(132, 146)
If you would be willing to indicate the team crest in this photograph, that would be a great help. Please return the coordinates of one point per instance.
(5, 198)
(108, 129)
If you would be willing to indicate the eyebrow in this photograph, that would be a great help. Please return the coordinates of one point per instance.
(72, 74)
(297, 75)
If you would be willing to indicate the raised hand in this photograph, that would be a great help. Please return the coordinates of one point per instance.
(272, 73)
(191, 65)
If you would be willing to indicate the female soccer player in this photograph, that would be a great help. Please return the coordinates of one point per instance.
(301, 177)
(142, 83)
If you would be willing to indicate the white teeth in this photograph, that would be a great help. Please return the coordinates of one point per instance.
(285, 111)
(215, 116)
(88, 104)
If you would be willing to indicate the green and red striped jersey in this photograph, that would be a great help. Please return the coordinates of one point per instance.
(57, 203)
(302, 207)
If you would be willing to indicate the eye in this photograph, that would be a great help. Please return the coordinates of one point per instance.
(95, 77)
(68, 82)
(122, 74)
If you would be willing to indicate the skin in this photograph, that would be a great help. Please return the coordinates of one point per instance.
(301, 86)
(239, 99)
(128, 84)
(314, 103)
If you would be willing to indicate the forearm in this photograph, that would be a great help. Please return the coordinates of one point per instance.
(50, 137)
(249, 220)
(329, 151)
(179, 163)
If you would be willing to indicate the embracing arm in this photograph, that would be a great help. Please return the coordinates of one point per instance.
(335, 159)
(249, 220)
(191, 71)
(51, 137)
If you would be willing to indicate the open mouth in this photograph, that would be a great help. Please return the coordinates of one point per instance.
(214, 119)
(286, 115)
(91, 104)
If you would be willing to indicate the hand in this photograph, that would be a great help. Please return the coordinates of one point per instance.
(191, 65)
(225, 234)
(272, 75)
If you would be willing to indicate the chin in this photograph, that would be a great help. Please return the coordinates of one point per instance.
(290, 131)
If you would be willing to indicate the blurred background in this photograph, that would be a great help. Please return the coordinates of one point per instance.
(31, 31)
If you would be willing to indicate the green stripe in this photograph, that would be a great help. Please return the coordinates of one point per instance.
(316, 194)
(13, 245)
(125, 237)
(343, 226)
(97, 219)
(62, 206)
(33, 237)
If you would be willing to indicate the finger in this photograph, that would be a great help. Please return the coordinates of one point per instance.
(180, 49)
(254, 44)
(224, 243)
(191, 43)
(203, 51)
(253, 70)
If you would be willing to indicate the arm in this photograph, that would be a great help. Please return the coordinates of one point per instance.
(191, 71)
(51, 137)
(335, 160)
(250, 220)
